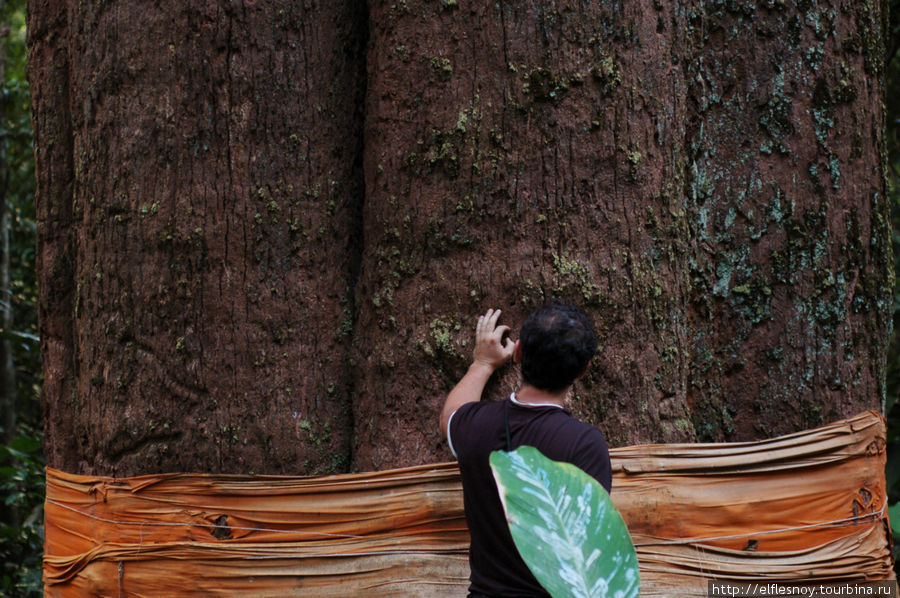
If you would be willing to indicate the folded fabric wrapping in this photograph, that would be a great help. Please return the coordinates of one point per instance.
(809, 506)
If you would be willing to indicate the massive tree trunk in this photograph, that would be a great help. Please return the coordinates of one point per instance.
(790, 263)
(705, 178)
(516, 153)
(198, 188)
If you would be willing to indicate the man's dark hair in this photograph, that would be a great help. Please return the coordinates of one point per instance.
(558, 342)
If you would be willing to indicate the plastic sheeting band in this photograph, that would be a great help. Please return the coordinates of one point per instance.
(808, 505)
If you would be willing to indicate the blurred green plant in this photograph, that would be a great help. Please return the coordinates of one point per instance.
(21, 460)
(22, 541)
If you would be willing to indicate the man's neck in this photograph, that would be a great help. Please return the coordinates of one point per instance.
(535, 396)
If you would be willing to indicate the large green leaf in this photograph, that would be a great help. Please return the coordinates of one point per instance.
(565, 527)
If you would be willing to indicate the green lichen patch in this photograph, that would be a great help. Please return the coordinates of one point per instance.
(442, 67)
(606, 74)
(440, 341)
(443, 153)
(634, 159)
(572, 276)
(776, 116)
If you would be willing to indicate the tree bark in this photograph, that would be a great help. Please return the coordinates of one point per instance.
(707, 179)
(790, 222)
(198, 186)
(513, 153)
(226, 287)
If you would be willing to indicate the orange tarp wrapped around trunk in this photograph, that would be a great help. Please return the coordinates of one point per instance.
(809, 506)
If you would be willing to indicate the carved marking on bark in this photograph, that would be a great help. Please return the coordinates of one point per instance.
(170, 382)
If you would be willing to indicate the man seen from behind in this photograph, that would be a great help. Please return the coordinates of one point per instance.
(554, 348)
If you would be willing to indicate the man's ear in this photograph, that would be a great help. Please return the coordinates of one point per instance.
(517, 351)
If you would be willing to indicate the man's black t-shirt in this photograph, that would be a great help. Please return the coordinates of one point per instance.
(476, 429)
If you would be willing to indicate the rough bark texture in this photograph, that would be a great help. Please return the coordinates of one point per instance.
(706, 178)
(197, 196)
(513, 153)
(790, 226)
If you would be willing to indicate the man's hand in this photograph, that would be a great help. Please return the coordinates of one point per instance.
(491, 349)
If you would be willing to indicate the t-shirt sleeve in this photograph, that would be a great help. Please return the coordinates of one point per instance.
(594, 460)
(456, 430)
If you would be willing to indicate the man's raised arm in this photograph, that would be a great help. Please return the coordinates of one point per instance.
(491, 352)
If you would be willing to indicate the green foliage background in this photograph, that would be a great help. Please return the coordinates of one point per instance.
(21, 461)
